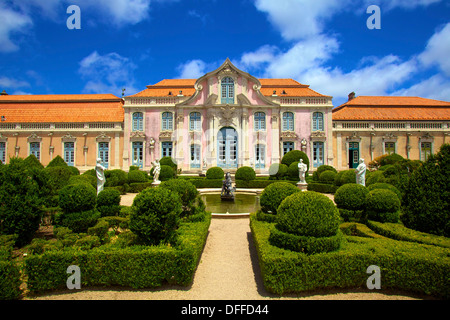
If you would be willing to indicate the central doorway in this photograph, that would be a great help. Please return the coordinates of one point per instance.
(227, 141)
(353, 155)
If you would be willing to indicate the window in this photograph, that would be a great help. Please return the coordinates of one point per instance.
(425, 150)
(69, 153)
(103, 153)
(138, 121)
(167, 121)
(288, 121)
(287, 146)
(138, 154)
(317, 121)
(227, 90)
(389, 147)
(195, 121)
(260, 121)
(195, 156)
(166, 150)
(260, 156)
(317, 154)
(35, 149)
(3, 152)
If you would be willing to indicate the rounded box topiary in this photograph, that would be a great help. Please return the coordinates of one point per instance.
(278, 170)
(155, 216)
(185, 189)
(307, 222)
(295, 156)
(382, 185)
(215, 173)
(77, 198)
(135, 176)
(383, 205)
(324, 168)
(245, 173)
(108, 202)
(327, 176)
(274, 194)
(375, 177)
(351, 196)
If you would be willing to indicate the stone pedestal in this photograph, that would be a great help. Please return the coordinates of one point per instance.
(156, 183)
(302, 186)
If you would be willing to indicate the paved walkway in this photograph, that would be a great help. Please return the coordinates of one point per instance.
(228, 270)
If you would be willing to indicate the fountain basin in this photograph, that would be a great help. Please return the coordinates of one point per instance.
(245, 202)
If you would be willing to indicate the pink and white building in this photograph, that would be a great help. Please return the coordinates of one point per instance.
(226, 118)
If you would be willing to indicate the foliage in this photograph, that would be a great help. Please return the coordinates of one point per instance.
(32, 162)
(375, 177)
(115, 177)
(385, 186)
(327, 176)
(58, 177)
(185, 190)
(57, 162)
(20, 209)
(278, 170)
(274, 194)
(135, 176)
(119, 265)
(344, 177)
(168, 161)
(293, 156)
(324, 168)
(155, 216)
(351, 196)
(167, 173)
(382, 205)
(77, 197)
(84, 178)
(245, 174)
(215, 173)
(425, 203)
(108, 202)
(10, 280)
(292, 171)
(322, 187)
(259, 184)
(78, 221)
(404, 265)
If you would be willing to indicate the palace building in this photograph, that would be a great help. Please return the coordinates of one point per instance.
(226, 118)
(370, 126)
(79, 128)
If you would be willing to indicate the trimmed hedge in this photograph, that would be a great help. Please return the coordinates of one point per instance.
(245, 173)
(322, 187)
(136, 267)
(406, 266)
(382, 205)
(259, 184)
(274, 194)
(215, 173)
(9, 280)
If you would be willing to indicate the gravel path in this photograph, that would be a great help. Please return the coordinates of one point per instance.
(228, 270)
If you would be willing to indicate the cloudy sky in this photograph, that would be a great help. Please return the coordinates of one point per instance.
(133, 43)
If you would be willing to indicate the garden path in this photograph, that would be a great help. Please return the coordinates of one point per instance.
(228, 270)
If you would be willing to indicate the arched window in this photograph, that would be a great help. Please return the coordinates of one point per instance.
(195, 156)
(288, 121)
(195, 121)
(317, 121)
(167, 121)
(260, 121)
(138, 121)
(227, 90)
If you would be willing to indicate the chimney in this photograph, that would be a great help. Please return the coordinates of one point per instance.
(3, 93)
(351, 96)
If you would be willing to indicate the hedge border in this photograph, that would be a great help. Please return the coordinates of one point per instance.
(136, 267)
(416, 268)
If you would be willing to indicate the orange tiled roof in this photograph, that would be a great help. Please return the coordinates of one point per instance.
(61, 108)
(291, 88)
(392, 108)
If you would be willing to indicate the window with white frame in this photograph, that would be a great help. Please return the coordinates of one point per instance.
(3, 152)
(138, 121)
(260, 155)
(195, 156)
(167, 121)
(227, 90)
(260, 121)
(287, 146)
(317, 120)
(389, 147)
(195, 121)
(288, 121)
(425, 150)
(69, 153)
(35, 149)
(166, 149)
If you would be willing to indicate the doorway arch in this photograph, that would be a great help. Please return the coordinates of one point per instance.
(227, 148)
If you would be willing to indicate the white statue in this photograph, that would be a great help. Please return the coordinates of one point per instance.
(302, 167)
(361, 173)
(100, 171)
(156, 171)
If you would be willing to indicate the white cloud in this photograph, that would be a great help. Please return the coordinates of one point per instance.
(12, 23)
(437, 51)
(436, 87)
(107, 73)
(6, 82)
(404, 4)
(192, 69)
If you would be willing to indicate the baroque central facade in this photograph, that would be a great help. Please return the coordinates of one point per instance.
(226, 118)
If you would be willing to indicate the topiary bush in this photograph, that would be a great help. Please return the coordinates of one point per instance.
(215, 173)
(108, 202)
(375, 177)
(278, 171)
(166, 173)
(77, 197)
(382, 205)
(425, 203)
(20, 206)
(84, 178)
(32, 162)
(292, 171)
(295, 156)
(245, 173)
(274, 194)
(185, 190)
(344, 177)
(327, 176)
(135, 176)
(307, 222)
(155, 216)
(385, 186)
(115, 178)
(351, 200)
(168, 161)
(57, 162)
(78, 222)
(324, 168)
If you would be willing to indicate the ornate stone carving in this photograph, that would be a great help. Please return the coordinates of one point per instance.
(227, 114)
(102, 137)
(211, 100)
(34, 138)
(243, 100)
(318, 134)
(137, 135)
(289, 135)
(165, 135)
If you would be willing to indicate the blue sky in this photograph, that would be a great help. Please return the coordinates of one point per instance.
(134, 43)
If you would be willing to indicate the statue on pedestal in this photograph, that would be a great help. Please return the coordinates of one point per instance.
(227, 188)
(156, 172)
(302, 168)
(100, 172)
(361, 173)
